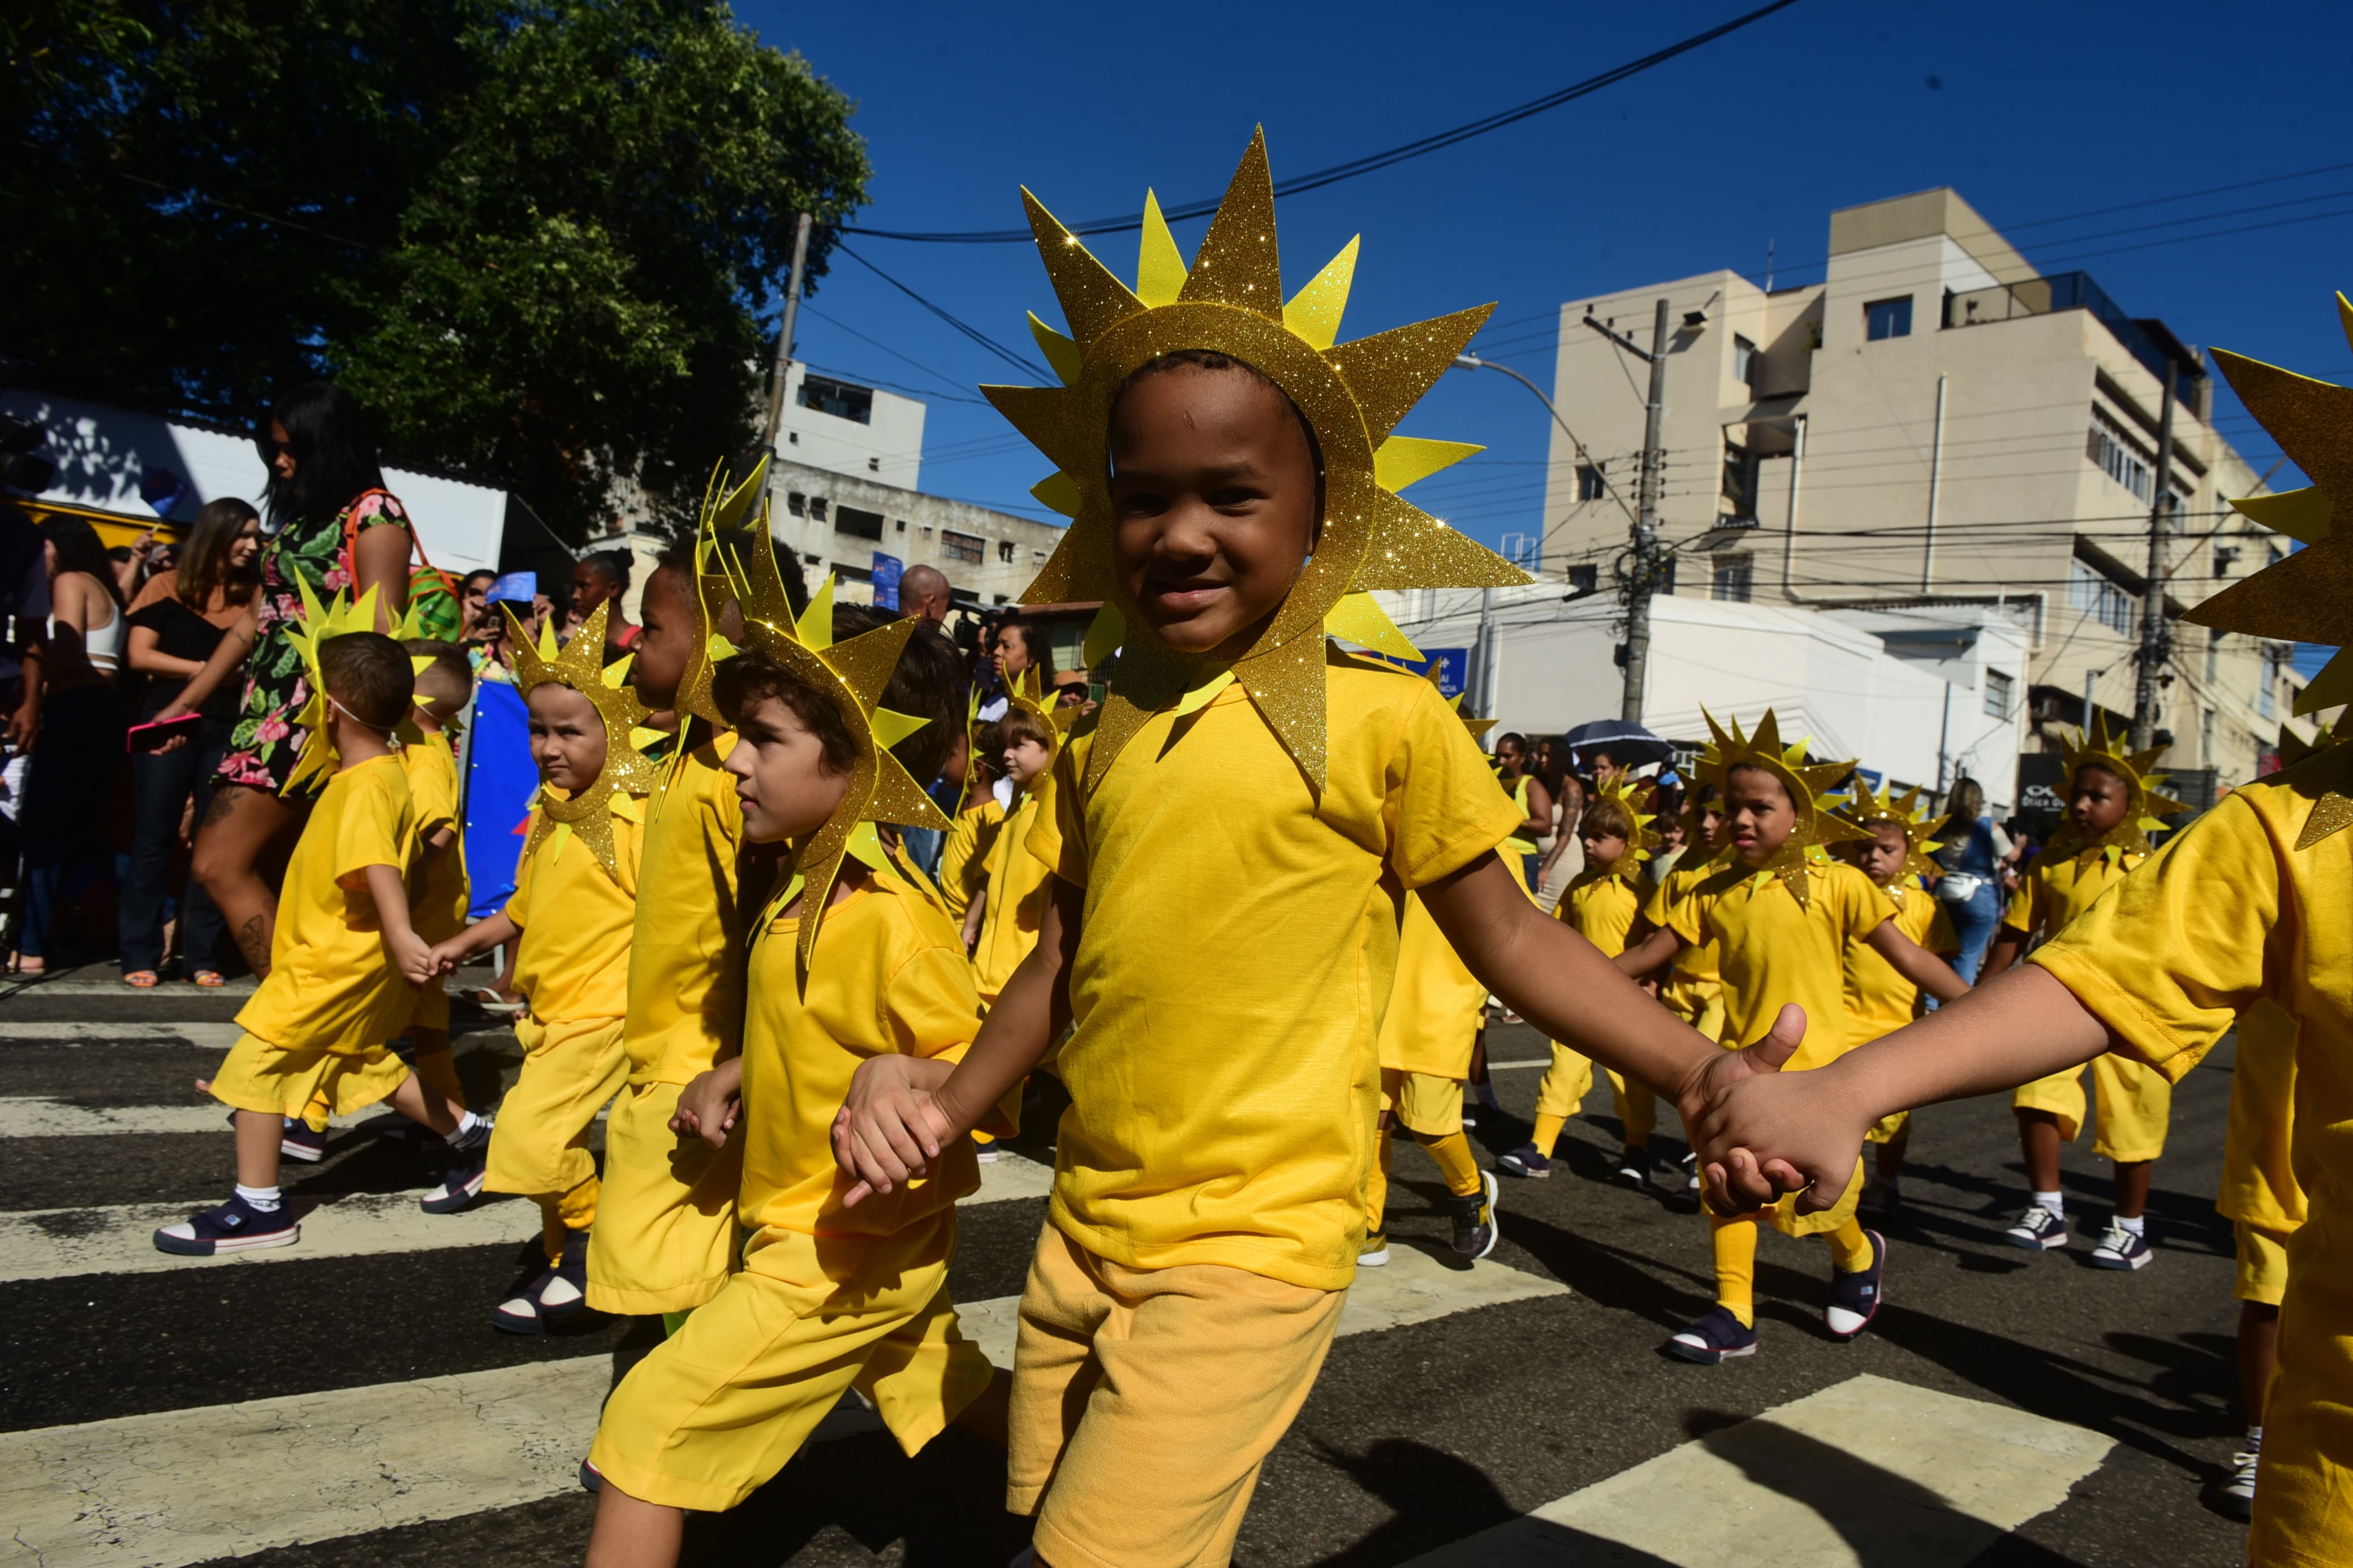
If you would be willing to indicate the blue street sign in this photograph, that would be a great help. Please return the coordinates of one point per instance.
(888, 569)
(1453, 669)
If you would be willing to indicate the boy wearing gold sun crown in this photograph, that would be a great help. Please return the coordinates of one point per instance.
(571, 916)
(1879, 1000)
(854, 959)
(1782, 912)
(2253, 901)
(1232, 836)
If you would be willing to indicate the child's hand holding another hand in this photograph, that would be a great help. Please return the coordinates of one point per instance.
(892, 1126)
(708, 1108)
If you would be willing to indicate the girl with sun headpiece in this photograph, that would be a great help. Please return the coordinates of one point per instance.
(574, 906)
(2253, 901)
(852, 960)
(1879, 1000)
(1232, 833)
(1001, 922)
(964, 859)
(1781, 912)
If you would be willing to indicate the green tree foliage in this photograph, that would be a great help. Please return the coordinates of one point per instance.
(544, 242)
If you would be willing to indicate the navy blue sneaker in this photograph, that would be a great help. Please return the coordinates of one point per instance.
(1475, 1231)
(2037, 1230)
(1525, 1161)
(2122, 1248)
(301, 1143)
(555, 1297)
(468, 1166)
(235, 1227)
(1718, 1337)
(1855, 1298)
(591, 1480)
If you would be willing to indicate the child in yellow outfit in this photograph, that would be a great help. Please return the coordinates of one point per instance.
(1232, 834)
(666, 1241)
(853, 961)
(1782, 914)
(2112, 803)
(964, 861)
(345, 960)
(1602, 905)
(1001, 923)
(571, 918)
(1879, 1001)
(2265, 1205)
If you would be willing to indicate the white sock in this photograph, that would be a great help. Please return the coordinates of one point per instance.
(2255, 1439)
(467, 1123)
(262, 1200)
(2053, 1202)
(2136, 1226)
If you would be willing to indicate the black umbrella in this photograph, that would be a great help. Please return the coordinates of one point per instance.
(1628, 744)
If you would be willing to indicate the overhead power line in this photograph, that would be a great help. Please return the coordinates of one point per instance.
(1017, 361)
(1371, 161)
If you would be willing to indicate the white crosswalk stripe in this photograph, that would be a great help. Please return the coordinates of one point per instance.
(211, 1036)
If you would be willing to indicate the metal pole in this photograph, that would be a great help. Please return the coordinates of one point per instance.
(2156, 637)
(1936, 474)
(1642, 582)
(784, 333)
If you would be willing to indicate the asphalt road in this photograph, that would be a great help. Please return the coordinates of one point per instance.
(1416, 1436)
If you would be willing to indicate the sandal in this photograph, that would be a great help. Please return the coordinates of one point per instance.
(209, 979)
(139, 979)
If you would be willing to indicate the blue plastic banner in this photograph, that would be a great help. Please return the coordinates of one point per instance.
(888, 569)
(515, 587)
(501, 781)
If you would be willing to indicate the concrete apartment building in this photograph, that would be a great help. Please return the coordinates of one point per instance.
(1933, 432)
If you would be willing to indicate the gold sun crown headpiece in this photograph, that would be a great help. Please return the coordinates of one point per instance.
(1028, 693)
(853, 674)
(1906, 812)
(2308, 595)
(1819, 824)
(2144, 806)
(2293, 748)
(1635, 796)
(628, 773)
(725, 512)
(311, 630)
(1352, 396)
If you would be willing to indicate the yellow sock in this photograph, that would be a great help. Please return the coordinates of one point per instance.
(1850, 1247)
(1548, 1133)
(438, 1069)
(551, 1228)
(1377, 1189)
(1735, 1246)
(1455, 1161)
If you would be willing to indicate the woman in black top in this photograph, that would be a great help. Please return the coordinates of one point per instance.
(174, 625)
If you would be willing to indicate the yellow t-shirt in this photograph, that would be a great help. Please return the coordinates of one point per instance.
(332, 986)
(963, 861)
(572, 961)
(1434, 1003)
(1602, 908)
(2059, 884)
(2227, 912)
(438, 900)
(1774, 953)
(890, 976)
(1879, 1001)
(2258, 1184)
(1519, 843)
(1698, 963)
(1017, 890)
(686, 979)
(1238, 947)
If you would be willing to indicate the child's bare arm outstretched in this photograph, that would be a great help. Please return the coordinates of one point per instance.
(409, 952)
(492, 931)
(901, 1110)
(1642, 960)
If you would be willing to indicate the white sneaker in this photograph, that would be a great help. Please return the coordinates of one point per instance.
(2239, 1491)
(1375, 1254)
(2122, 1248)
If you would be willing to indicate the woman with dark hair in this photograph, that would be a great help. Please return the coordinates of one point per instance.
(1534, 801)
(176, 622)
(333, 525)
(79, 745)
(1019, 646)
(1970, 889)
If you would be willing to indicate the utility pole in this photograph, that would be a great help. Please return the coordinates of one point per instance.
(2156, 637)
(784, 333)
(1641, 578)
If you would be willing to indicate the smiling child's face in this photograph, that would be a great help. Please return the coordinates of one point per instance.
(1213, 501)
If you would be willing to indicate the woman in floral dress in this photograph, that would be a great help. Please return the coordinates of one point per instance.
(324, 482)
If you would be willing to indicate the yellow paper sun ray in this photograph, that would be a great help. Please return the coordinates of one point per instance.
(1906, 812)
(2144, 808)
(313, 630)
(1806, 784)
(1635, 795)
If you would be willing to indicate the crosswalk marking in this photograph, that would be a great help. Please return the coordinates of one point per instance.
(185, 1486)
(1867, 1471)
(35, 1116)
(211, 1036)
(52, 1244)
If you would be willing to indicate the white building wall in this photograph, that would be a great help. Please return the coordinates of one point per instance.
(887, 447)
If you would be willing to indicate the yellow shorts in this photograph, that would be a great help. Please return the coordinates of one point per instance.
(2263, 1264)
(1146, 1400)
(719, 1407)
(1565, 1083)
(1890, 1129)
(1421, 1102)
(259, 1075)
(665, 1240)
(1636, 1103)
(2135, 1104)
(570, 1069)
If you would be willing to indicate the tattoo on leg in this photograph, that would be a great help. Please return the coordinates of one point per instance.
(253, 940)
(223, 803)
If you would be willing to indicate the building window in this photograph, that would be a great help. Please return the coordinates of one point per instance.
(840, 398)
(797, 503)
(857, 523)
(2001, 688)
(1744, 360)
(1590, 485)
(964, 547)
(2267, 694)
(901, 525)
(2105, 447)
(850, 574)
(1733, 579)
(2214, 656)
(1585, 579)
(792, 437)
(1737, 480)
(1005, 550)
(817, 508)
(2206, 736)
(2092, 593)
(873, 465)
(1887, 318)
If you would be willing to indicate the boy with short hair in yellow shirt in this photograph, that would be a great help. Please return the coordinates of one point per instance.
(1782, 913)
(853, 960)
(2111, 804)
(1880, 1001)
(2253, 901)
(345, 959)
(964, 859)
(571, 918)
(1233, 832)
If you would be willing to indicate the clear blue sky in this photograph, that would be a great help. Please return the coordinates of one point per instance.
(2030, 114)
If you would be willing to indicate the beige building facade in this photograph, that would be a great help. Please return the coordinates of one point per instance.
(1935, 423)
